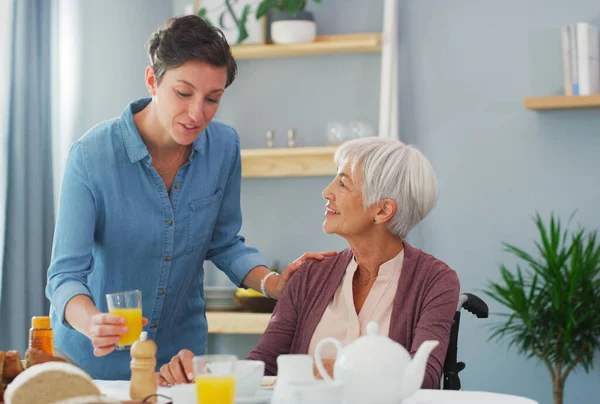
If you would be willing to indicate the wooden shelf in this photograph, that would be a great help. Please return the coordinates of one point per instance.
(237, 322)
(563, 102)
(323, 45)
(288, 162)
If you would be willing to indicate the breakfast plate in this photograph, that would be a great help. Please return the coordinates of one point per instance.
(261, 396)
(268, 382)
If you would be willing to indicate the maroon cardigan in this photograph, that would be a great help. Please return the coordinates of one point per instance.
(424, 307)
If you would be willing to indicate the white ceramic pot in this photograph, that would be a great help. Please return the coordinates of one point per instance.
(293, 31)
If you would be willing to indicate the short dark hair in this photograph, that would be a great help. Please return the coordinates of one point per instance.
(189, 38)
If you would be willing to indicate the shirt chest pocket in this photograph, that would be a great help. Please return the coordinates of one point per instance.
(202, 216)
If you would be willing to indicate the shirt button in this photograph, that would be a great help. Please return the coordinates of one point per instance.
(177, 186)
(153, 325)
(169, 223)
(161, 291)
(168, 258)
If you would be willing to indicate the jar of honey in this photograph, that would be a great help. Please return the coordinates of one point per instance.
(40, 334)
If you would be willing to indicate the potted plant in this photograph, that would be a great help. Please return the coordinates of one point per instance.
(553, 302)
(290, 22)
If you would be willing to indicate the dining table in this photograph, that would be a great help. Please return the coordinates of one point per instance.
(119, 390)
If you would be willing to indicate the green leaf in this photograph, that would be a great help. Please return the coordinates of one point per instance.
(264, 7)
(293, 6)
(242, 31)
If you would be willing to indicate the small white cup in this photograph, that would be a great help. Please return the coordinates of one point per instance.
(248, 376)
(296, 368)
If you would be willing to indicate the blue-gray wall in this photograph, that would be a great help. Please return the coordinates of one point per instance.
(465, 68)
(112, 55)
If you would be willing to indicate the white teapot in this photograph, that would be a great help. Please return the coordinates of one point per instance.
(375, 369)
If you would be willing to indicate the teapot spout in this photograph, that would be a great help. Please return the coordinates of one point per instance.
(415, 371)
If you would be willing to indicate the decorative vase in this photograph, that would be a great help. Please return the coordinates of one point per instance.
(290, 29)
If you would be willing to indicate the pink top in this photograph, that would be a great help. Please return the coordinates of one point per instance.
(340, 320)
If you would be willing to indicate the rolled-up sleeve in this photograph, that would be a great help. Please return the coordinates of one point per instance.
(227, 249)
(71, 261)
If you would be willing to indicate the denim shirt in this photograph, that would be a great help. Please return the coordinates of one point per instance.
(119, 229)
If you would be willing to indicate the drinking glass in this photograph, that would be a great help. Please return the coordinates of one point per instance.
(215, 379)
(129, 306)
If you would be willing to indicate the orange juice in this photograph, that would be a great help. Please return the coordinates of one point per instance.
(215, 389)
(133, 321)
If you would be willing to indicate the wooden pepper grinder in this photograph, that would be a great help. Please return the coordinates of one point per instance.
(143, 363)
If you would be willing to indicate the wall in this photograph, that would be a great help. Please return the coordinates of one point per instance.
(111, 55)
(466, 67)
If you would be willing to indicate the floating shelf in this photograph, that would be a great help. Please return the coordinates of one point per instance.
(563, 102)
(323, 45)
(237, 322)
(288, 162)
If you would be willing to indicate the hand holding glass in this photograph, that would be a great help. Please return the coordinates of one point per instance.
(129, 306)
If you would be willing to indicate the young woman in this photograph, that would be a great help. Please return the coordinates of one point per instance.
(146, 198)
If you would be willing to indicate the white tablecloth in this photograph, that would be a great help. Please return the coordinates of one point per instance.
(120, 390)
(464, 397)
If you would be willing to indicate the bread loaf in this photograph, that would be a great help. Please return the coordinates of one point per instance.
(49, 382)
(2, 382)
(35, 356)
(12, 366)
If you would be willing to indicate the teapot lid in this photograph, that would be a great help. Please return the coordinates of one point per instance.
(372, 328)
(374, 352)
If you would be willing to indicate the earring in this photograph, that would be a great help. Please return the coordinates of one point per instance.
(374, 220)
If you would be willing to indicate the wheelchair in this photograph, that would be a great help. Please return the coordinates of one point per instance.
(452, 368)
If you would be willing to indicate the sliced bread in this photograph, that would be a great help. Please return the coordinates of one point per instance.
(48, 383)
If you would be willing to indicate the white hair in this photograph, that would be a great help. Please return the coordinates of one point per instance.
(392, 170)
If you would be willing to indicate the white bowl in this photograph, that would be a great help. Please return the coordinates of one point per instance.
(248, 377)
(293, 31)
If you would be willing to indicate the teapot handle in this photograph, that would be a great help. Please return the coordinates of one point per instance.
(319, 358)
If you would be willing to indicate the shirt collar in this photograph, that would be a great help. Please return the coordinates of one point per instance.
(391, 268)
(135, 146)
(387, 270)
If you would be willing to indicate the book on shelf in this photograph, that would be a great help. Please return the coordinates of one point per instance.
(581, 58)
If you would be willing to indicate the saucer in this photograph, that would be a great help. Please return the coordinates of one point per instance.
(268, 382)
(261, 396)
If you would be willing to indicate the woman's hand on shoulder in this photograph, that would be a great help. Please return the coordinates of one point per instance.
(293, 267)
(179, 370)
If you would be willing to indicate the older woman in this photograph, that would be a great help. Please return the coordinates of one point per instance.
(382, 190)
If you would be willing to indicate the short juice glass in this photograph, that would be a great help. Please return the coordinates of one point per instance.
(129, 306)
(215, 379)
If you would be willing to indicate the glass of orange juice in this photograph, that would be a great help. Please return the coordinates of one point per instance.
(215, 379)
(129, 306)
